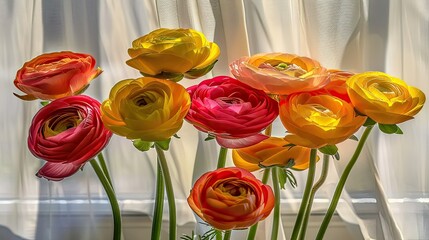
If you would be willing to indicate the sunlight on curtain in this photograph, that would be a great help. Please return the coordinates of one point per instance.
(391, 36)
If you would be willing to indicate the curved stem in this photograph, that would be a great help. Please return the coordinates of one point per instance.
(306, 195)
(276, 219)
(252, 231)
(227, 235)
(159, 205)
(169, 189)
(104, 168)
(341, 184)
(112, 198)
(222, 157)
(221, 161)
(316, 187)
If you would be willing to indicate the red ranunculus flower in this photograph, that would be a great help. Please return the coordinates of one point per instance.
(66, 133)
(231, 198)
(233, 112)
(56, 75)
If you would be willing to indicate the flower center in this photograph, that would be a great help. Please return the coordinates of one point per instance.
(235, 188)
(290, 69)
(389, 90)
(231, 100)
(61, 122)
(320, 115)
(143, 100)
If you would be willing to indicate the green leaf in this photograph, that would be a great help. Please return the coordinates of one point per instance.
(164, 145)
(369, 122)
(142, 145)
(282, 177)
(176, 136)
(329, 149)
(390, 128)
(291, 178)
(286, 175)
(209, 137)
(196, 73)
(353, 137)
(44, 103)
(337, 156)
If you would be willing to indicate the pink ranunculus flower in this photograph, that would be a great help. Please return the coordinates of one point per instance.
(233, 112)
(67, 133)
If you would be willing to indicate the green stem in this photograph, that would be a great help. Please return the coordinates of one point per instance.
(159, 205)
(227, 235)
(218, 234)
(221, 164)
(222, 157)
(316, 187)
(104, 168)
(306, 195)
(276, 220)
(252, 231)
(112, 198)
(341, 184)
(169, 189)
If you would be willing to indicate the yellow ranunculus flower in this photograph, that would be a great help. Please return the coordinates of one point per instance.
(271, 152)
(172, 53)
(315, 121)
(146, 108)
(383, 98)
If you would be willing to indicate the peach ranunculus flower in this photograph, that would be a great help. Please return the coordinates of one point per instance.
(173, 53)
(384, 98)
(55, 75)
(280, 73)
(315, 121)
(146, 108)
(231, 198)
(273, 151)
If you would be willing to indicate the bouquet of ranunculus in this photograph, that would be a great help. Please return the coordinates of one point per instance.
(318, 107)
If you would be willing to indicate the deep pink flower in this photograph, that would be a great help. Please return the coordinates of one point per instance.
(67, 133)
(233, 112)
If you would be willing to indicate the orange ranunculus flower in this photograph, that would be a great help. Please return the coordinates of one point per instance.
(231, 198)
(55, 75)
(146, 108)
(318, 120)
(271, 152)
(280, 73)
(383, 98)
(172, 53)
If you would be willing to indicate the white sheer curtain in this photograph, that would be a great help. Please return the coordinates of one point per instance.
(361, 35)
